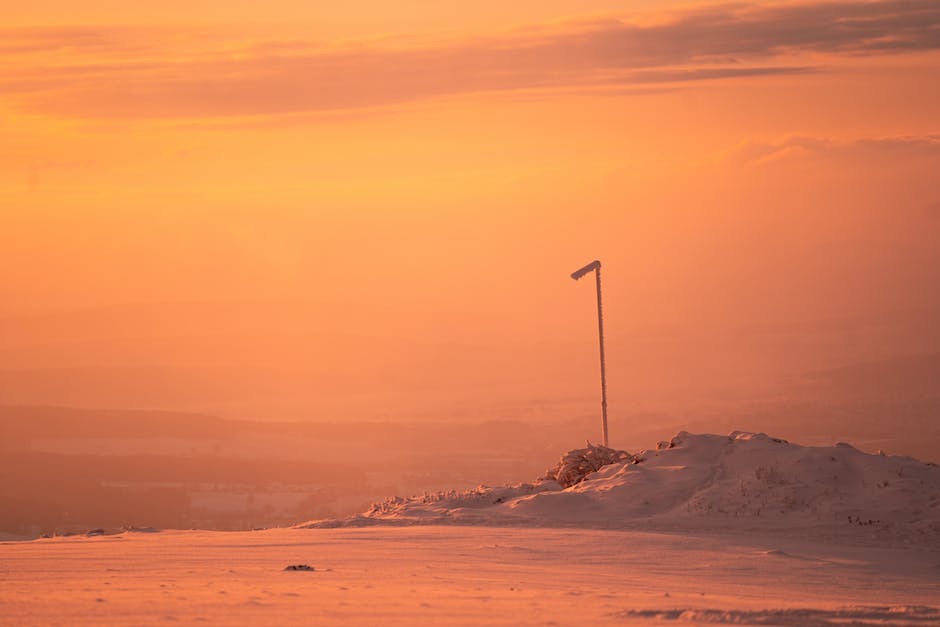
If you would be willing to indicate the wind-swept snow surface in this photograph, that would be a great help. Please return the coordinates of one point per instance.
(463, 576)
(742, 481)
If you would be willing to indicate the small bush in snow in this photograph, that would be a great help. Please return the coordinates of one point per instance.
(579, 463)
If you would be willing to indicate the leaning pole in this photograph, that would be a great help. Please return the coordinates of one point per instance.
(595, 266)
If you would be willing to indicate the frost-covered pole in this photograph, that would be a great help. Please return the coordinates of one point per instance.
(595, 266)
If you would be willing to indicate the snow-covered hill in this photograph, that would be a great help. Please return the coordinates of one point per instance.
(742, 481)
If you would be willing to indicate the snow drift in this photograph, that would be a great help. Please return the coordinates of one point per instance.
(738, 482)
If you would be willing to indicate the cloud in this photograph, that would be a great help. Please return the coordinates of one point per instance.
(705, 43)
(911, 146)
(71, 40)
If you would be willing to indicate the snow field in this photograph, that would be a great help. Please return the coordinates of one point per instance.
(457, 575)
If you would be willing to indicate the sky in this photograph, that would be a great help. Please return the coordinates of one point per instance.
(299, 210)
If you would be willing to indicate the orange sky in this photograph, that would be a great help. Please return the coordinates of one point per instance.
(290, 209)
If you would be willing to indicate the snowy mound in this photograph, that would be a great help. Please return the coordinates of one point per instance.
(737, 482)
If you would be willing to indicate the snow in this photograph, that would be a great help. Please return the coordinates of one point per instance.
(746, 481)
(704, 529)
(463, 576)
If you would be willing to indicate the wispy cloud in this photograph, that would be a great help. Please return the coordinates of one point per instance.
(881, 148)
(705, 43)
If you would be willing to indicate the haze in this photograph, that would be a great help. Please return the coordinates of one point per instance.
(368, 215)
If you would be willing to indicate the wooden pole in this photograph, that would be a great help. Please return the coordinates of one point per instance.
(600, 335)
(595, 266)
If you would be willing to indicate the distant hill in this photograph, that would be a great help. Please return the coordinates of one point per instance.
(23, 423)
(904, 377)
